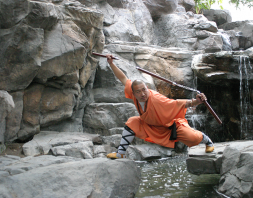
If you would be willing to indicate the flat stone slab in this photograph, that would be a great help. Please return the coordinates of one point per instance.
(63, 176)
(200, 162)
(45, 141)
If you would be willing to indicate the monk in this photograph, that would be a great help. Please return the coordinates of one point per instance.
(158, 115)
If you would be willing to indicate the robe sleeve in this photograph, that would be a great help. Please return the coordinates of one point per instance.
(128, 90)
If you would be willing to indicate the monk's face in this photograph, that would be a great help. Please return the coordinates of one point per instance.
(141, 92)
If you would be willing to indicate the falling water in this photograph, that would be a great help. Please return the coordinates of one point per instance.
(245, 70)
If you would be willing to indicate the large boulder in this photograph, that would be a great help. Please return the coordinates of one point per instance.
(218, 16)
(219, 161)
(46, 54)
(20, 55)
(159, 7)
(68, 177)
(236, 172)
(241, 32)
(130, 21)
(100, 117)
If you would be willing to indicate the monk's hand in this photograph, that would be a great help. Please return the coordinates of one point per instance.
(200, 98)
(109, 58)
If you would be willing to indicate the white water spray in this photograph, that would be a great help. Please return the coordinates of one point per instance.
(245, 70)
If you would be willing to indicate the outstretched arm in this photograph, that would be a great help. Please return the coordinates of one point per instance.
(194, 102)
(117, 72)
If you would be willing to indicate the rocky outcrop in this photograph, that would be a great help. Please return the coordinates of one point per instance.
(157, 8)
(67, 177)
(236, 172)
(89, 146)
(46, 63)
(240, 33)
(220, 17)
(232, 160)
(187, 30)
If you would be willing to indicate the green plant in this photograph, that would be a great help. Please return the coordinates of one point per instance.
(206, 4)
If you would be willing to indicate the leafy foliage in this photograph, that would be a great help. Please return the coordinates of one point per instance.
(206, 4)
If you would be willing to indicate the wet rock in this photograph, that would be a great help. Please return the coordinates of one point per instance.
(200, 162)
(81, 177)
(148, 152)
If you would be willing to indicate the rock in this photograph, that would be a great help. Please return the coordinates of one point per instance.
(187, 4)
(200, 162)
(187, 30)
(13, 120)
(127, 21)
(236, 171)
(100, 117)
(12, 12)
(61, 54)
(148, 152)
(160, 7)
(244, 32)
(95, 177)
(61, 144)
(20, 53)
(218, 16)
(6, 107)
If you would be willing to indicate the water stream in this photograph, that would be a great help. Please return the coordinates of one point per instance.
(245, 70)
(170, 178)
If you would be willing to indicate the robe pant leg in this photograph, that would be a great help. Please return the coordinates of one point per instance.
(188, 135)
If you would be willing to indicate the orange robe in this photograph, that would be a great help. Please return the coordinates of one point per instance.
(160, 113)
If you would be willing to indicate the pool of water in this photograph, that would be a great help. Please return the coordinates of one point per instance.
(170, 178)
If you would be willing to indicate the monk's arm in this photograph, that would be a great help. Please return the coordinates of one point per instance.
(117, 72)
(195, 102)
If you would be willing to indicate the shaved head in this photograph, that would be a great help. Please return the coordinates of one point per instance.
(140, 90)
(137, 82)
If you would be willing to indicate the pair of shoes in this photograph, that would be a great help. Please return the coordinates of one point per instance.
(209, 149)
(115, 155)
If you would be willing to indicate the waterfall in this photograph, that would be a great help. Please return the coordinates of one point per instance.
(245, 70)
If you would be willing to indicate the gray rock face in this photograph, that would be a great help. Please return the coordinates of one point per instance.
(130, 21)
(218, 16)
(187, 30)
(241, 33)
(236, 172)
(6, 106)
(148, 151)
(55, 141)
(67, 177)
(45, 53)
(20, 64)
(100, 117)
(159, 7)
